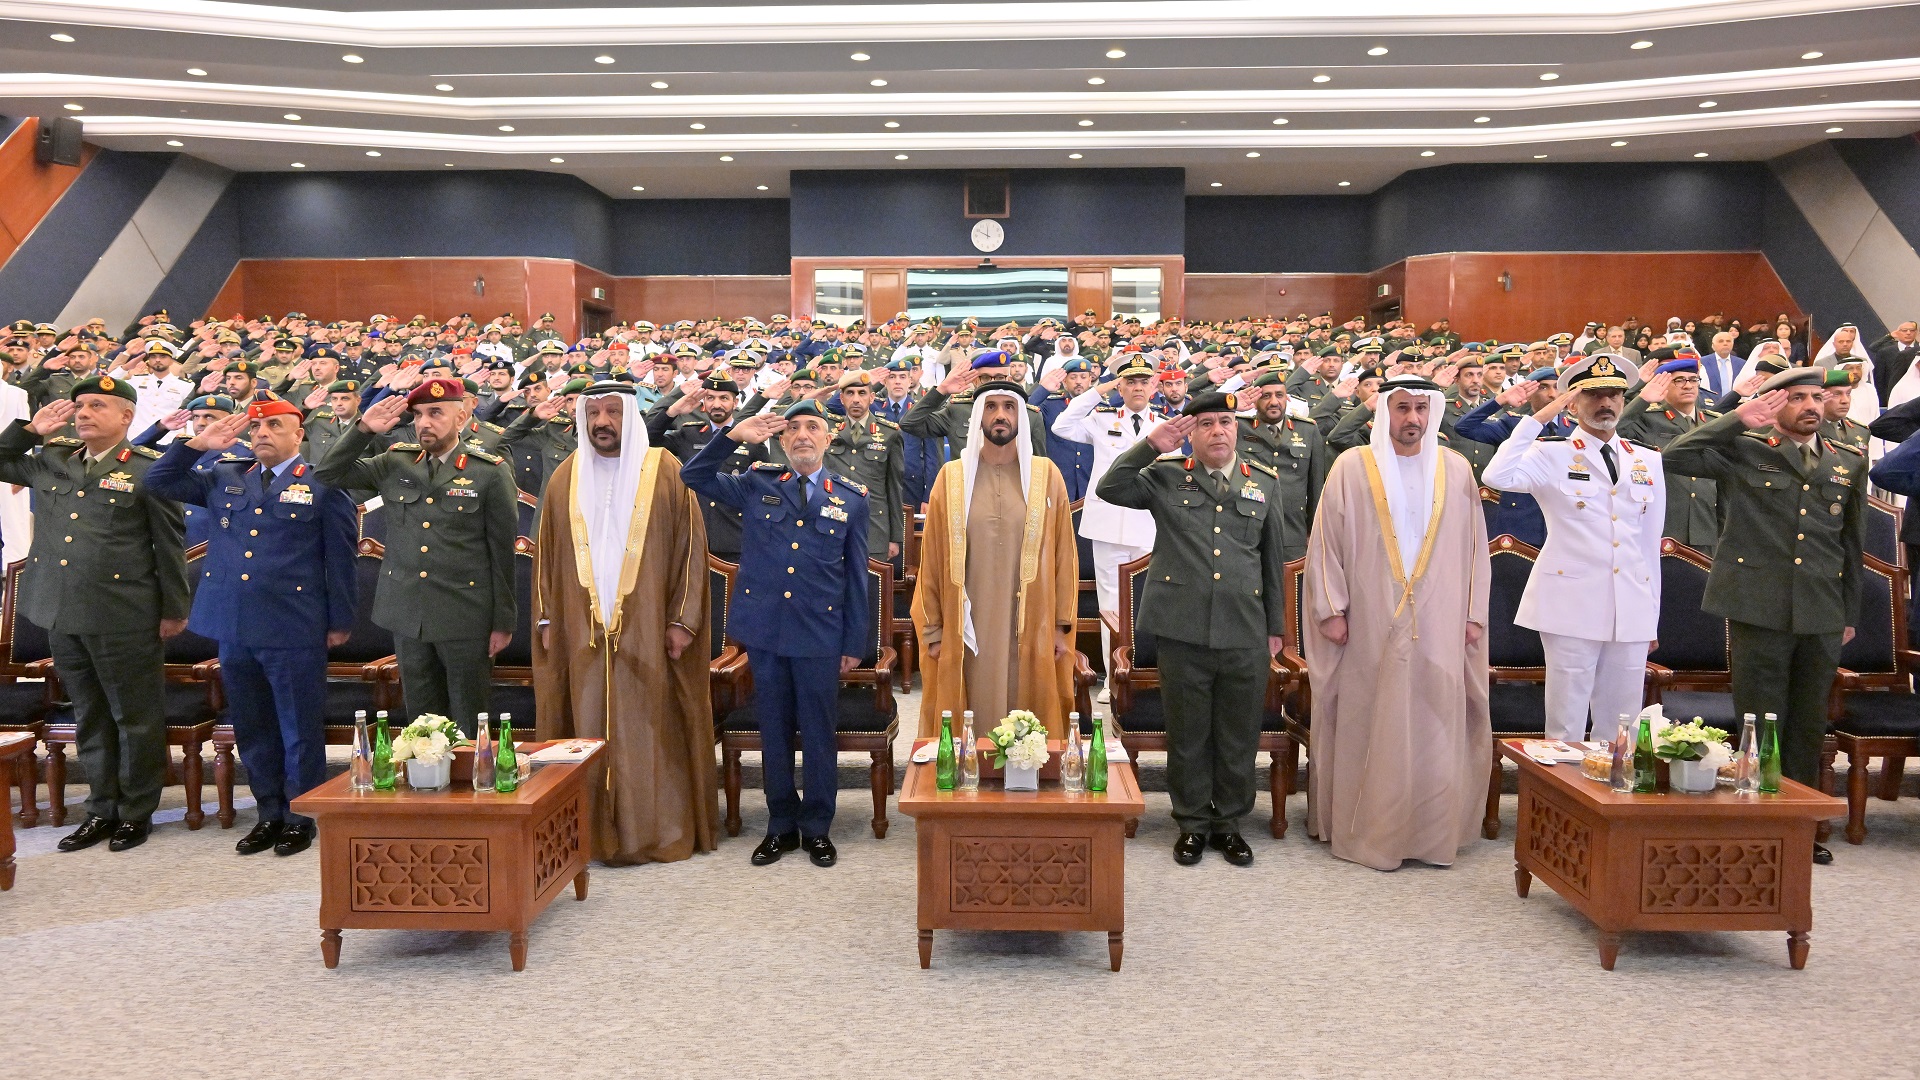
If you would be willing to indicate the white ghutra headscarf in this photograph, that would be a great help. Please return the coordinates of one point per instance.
(1409, 510)
(607, 489)
(970, 468)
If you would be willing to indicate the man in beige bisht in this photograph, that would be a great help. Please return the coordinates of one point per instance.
(620, 595)
(1396, 595)
(999, 572)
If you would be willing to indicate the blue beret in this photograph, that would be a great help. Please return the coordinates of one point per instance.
(1684, 364)
(902, 364)
(1075, 366)
(1545, 374)
(996, 358)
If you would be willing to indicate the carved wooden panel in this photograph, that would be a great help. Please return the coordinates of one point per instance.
(419, 875)
(1038, 873)
(1702, 876)
(1560, 843)
(556, 843)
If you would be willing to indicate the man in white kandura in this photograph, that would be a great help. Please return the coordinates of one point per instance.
(1594, 594)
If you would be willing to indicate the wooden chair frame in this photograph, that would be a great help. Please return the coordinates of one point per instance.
(27, 769)
(1892, 750)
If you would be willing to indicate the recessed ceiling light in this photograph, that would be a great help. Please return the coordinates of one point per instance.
(759, 187)
(1377, 50)
(1323, 78)
(447, 164)
(1216, 183)
(1426, 153)
(196, 71)
(1253, 153)
(443, 87)
(637, 187)
(603, 59)
(506, 127)
(64, 39)
(1708, 104)
(299, 165)
(1075, 157)
(373, 153)
(1618, 142)
(1086, 123)
(862, 57)
(1115, 54)
(899, 157)
(1483, 119)
(1280, 120)
(1641, 45)
(1539, 157)
(353, 58)
(698, 127)
(726, 157)
(72, 107)
(175, 142)
(291, 116)
(558, 160)
(1346, 183)
(1096, 81)
(1835, 130)
(1702, 153)
(876, 82)
(1811, 55)
(892, 124)
(1549, 76)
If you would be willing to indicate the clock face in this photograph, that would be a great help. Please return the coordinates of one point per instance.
(988, 235)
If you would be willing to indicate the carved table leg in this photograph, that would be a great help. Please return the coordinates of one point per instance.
(1115, 942)
(6, 874)
(191, 775)
(730, 774)
(518, 944)
(330, 947)
(1797, 945)
(926, 948)
(1609, 948)
(1522, 881)
(1133, 826)
(580, 885)
(877, 778)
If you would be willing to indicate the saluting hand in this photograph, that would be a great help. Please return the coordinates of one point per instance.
(1168, 435)
(51, 418)
(757, 429)
(1345, 387)
(317, 398)
(1553, 408)
(384, 415)
(1655, 390)
(176, 419)
(1513, 396)
(1760, 411)
(550, 408)
(220, 434)
(956, 382)
(688, 402)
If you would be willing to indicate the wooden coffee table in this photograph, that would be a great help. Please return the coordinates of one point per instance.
(1022, 860)
(451, 860)
(1665, 861)
(12, 747)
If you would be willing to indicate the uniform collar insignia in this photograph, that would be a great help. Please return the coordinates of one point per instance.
(125, 451)
(460, 462)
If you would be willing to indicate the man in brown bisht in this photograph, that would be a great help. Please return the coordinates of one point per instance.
(1396, 606)
(999, 571)
(620, 595)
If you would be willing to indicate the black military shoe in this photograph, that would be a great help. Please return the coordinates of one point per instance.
(294, 838)
(260, 839)
(91, 831)
(1187, 849)
(773, 847)
(1821, 856)
(1233, 846)
(130, 834)
(820, 850)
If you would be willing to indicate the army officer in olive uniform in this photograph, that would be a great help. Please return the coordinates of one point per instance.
(1787, 574)
(946, 410)
(1295, 451)
(107, 579)
(447, 589)
(1213, 601)
(685, 433)
(1666, 408)
(872, 451)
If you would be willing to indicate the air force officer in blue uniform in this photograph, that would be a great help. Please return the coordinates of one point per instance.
(277, 590)
(800, 607)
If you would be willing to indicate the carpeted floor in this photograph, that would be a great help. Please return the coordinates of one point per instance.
(183, 959)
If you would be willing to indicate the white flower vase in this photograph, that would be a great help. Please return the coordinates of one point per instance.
(1695, 777)
(424, 777)
(1019, 779)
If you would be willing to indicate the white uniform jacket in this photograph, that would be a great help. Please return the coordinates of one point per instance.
(1109, 429)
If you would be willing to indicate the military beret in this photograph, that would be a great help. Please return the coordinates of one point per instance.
(804, 375)
(719, 383)
(500, 365)
(831, 356)
(1270, 378)
(438, 389)
(902, 364)
(1800, 376)
(1213, 401)
(1842, 377)
(1076, 365)
(574, 386)
(1371, 371)
(344, 386)
(266, 405)
(325, 352)
(243, 367)
(105, 384)
(809, 407)
(1545, 374)
(1688, 364)
(532, 377)
(472, 388)
(216, 402)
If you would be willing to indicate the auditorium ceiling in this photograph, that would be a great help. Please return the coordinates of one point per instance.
(723, 99)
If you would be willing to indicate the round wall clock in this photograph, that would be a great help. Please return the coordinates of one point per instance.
(988, 235)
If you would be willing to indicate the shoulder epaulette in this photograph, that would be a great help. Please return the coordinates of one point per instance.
(1268, 469)
(884, 422)
(1849, 446)
(1758, 433)
(854, 484)
(231, 456)
(768, 466)
(62, 440)
(491, 459)
(1550, 438)
(405, 448)
(961, 398)
(492, 425)
(1175, 456)
(1710, 414)
(1106, 408)
(1658, 406)
(146, 451)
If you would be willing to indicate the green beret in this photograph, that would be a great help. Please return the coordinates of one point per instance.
(243, 367)
(344, 386)
(809, 407)
(1270, 378)
(1213, 401)
(804, 375)
(574, 386)
(105, 384)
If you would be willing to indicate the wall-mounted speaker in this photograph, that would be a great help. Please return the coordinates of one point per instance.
(58, 141)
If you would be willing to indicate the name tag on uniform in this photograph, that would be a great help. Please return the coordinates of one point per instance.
(297, 493)
(118, 481)
(773, 500)
(1768, 468)
(236, 490)
(833, 513)
(1115, 431)
(1579, 476)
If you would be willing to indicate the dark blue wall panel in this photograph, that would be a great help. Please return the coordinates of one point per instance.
(1054, 212)
(1300, 234)
(205, 265)
(700, 236)
(42, 275)
(1890, 171)
(1810, 273)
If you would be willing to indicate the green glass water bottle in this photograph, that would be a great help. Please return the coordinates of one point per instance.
(1097, 757)
(506, 763)
(1770, 754)
(382, 754)
(943, 768)
(1644, 777)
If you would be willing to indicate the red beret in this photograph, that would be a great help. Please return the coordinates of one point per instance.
(437, 390)
(272, 407)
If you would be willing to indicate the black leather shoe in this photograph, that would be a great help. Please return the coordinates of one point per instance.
(130, 834)
(91, 831)
(773, 847)
(1233, 846)
(1187, 849)
(1821, 856)
(294, 839)
(260, 839)
(820, 850)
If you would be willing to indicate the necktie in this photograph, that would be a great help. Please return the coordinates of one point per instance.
(1810, 457)
(1606, 455)
(806, 492)
(1220, 483)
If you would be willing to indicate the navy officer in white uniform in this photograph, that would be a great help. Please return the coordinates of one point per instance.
(1594, 595)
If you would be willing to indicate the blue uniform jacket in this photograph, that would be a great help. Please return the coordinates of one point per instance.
(1899, 471)
(196, 517)
(1073, 459)
(279, 568)
(924, 456)
(1519, 516)
(802, 589)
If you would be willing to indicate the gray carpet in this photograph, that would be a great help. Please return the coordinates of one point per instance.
(182, 958)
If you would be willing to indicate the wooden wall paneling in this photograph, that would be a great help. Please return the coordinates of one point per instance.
(28, 189)
(231, 300)
(1090, 287)
(1426, 291)
(277, 286)
(585, 280)
(1173, 288)
(761, 296)
(401, 288)
(451, 287)
(885, 294)
(550, 288)
(1221, 297)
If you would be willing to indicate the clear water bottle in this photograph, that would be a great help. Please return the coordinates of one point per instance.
(482, 756)
(1073, 763)
(360, 765)
(1620, 775)
(1746, 764)
(969, 754)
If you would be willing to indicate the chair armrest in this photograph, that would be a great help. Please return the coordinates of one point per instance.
(1120, 681)
(385, 669)
(883, 663)
(206, 670)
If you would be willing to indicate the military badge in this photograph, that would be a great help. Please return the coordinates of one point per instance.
(833, 513)
(117, 481)
(297, 493)
(1252, 493)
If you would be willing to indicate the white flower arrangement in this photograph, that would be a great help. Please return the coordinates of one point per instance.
(1020, 739)
(428, 740)
(1695, 740)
